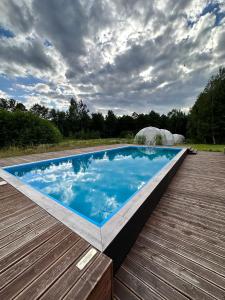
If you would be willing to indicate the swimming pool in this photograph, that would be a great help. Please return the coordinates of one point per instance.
(90, 190)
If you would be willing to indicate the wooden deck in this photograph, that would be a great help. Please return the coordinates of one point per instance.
(38, 254)
(180, 253)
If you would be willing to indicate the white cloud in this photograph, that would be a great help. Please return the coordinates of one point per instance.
(122, 55)
(4, 94)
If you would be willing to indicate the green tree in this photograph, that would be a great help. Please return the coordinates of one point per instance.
(177, 121)
(97, 123)
(207, 117)
(59, 118)
(110, 124)
(78, 117)
(11, 105)
(40, 110)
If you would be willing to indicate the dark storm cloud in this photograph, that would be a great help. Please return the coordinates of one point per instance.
(17, 14)
(64, 24)
(31, 54)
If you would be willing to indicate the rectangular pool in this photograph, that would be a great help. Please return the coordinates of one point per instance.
(93, 188)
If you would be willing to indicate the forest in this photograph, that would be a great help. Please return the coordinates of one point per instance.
(205, 123)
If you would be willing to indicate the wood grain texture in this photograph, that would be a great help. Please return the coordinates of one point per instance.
(180, 253)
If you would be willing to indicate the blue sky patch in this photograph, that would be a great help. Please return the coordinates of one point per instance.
(215, 9)
(6, 33)
(211, 8)
(8, 85)
(47, 43)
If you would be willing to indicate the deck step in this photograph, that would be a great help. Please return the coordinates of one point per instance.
(192, 151)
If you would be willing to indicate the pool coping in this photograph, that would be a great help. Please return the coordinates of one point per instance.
(99, 237)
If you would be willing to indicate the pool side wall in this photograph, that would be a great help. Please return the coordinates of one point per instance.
(122, 243)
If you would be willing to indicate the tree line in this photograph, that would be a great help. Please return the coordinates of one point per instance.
(78, 122)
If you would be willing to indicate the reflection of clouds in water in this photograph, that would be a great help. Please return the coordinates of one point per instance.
(60, 172)
(141, 185)
(64, 189)
(44, 179)
(98, 184)
(61, 180)
(103, 207)
(137, 185)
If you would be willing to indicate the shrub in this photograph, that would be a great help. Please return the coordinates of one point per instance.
(86, 135)
(24, 128)
(127, 134)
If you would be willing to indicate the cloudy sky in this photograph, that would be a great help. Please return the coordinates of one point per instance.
(125, 55)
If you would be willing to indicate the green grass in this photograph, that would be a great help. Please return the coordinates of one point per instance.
(66, 144)
(206, 147)
(73, 143)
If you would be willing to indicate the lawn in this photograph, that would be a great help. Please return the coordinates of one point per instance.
(206, 147)
(63, 145)
(74, 143)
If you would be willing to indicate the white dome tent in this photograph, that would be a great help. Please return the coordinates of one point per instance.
(147, 135)
(153, 136)
(167, 137)
(178, 138)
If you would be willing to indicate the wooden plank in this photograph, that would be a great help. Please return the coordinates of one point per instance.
(87, 287)
(179, 270)
(24, 230)
(18, 216)
(17, 268)
(194, 256)
(8, 210)
(37, 288)
(197, 202)
(27, 248)
(122, 292)
(136, 285)
(198, 223)
(147, 275)
(38, 268)
(209, 210)
(141, 265)
(7, 194)
(190, 225)
(26, 238)
(213, 221)
(181, 260)
(67, 280)
(24, 222)
(213, 245)
(8, 220)
(189, 245)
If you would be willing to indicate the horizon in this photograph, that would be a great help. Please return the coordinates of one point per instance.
(124, 56)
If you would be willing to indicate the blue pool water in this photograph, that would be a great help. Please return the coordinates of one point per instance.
(95, 185)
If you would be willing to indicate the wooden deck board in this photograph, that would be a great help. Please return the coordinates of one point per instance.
(38, 254)
(182, 245)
